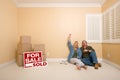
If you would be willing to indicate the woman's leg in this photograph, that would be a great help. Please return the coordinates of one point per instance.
(78, 62)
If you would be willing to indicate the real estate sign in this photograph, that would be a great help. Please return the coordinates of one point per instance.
(33, 59)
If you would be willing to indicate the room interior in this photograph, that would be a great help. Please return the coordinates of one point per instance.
(49, 22)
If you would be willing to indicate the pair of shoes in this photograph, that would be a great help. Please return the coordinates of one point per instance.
(85, 67)
(99, 64)
(96, 66)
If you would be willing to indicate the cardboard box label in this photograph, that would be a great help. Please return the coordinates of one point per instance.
(33, 59)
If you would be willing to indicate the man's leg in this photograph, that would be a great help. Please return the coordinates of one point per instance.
(87, 61)
(94, 60)
(93, 57)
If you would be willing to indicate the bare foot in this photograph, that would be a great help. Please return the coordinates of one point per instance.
(85, 67)
(78, 67)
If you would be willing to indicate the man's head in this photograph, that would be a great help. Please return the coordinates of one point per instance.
(84, 43)
(75, 45)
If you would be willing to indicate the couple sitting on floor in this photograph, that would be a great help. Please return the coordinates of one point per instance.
(82, 56)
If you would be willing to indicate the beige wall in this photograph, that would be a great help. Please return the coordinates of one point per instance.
(111, 52)
(51, 26)
(8, 30)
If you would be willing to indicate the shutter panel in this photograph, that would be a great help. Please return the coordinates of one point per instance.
(117, 22)
(106, 28)
(93, 27)
(111, 24)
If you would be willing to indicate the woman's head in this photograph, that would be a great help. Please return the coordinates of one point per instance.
(75, 45)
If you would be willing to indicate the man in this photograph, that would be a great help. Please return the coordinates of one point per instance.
(89, 55)
(75, 54)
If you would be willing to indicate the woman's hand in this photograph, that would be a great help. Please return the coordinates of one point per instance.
(69, 37)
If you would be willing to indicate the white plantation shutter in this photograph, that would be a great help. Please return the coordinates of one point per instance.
(93, 27)
(117, 22)
(111, 25)
(106, 28)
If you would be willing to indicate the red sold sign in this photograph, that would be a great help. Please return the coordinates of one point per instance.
(32, 59)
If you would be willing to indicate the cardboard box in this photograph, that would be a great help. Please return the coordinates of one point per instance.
(25, 39)
(44, 57)
(24, 48)
(39, 47)
(19, 60)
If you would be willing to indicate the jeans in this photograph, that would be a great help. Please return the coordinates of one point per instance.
(91, 60)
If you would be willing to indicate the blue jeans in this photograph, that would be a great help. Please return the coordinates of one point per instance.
(91, 60)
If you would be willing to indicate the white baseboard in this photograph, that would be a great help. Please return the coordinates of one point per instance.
(55, 59)
(65, 59)
(7, 63)
(111, 63)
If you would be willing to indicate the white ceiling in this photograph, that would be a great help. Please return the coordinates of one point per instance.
(97, 2)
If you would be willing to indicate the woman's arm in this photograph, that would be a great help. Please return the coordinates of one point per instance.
(69, 37)
(69, 41)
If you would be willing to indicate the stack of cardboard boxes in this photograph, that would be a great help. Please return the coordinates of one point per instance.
(25, 46)
(40, 47)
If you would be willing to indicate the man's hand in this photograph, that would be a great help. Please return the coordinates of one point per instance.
(90, 50)
(85, 50)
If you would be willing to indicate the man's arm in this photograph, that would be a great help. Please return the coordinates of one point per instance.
(90, 49)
